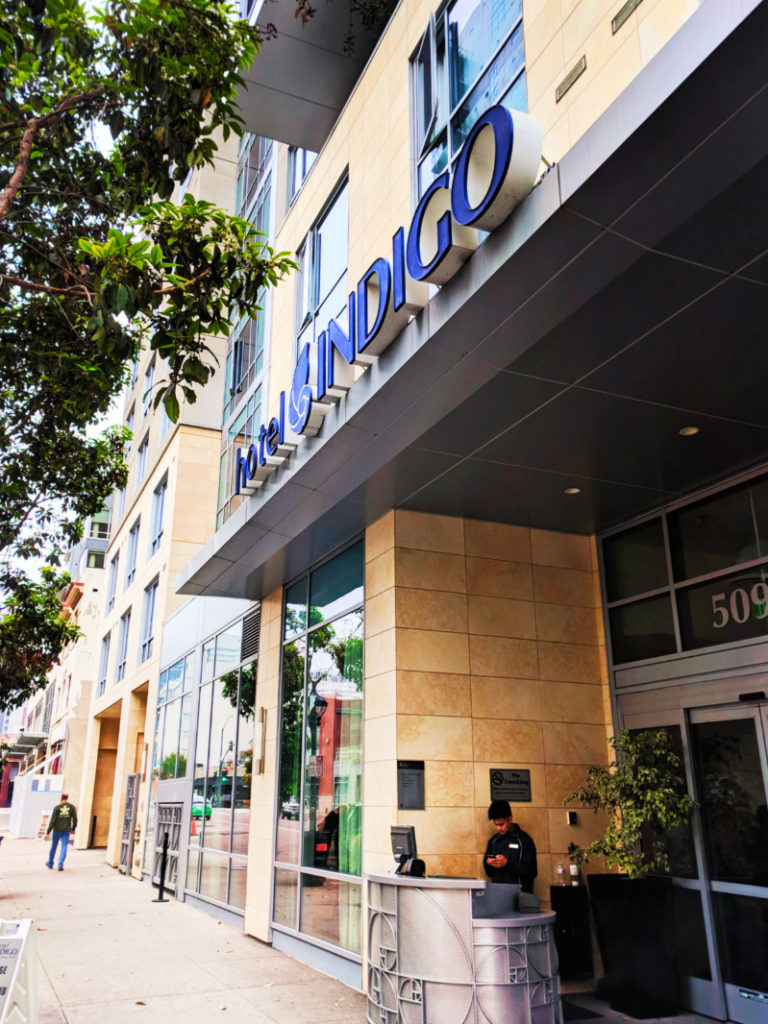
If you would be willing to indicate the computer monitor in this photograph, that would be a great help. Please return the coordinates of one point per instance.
(403, 846)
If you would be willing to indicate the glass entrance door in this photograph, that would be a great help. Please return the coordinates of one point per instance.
(729, 754)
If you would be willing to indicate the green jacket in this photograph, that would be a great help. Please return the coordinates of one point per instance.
(63, 818)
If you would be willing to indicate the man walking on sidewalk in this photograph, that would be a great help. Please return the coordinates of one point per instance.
(62, 823)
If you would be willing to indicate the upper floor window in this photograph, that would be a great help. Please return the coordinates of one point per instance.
(148, 621)
(135, 369)
(471, 57)
(122, 645)
(141, 461)
(129, 420)
(119, 503)
(103, 663)
(322, 283)
(252, 166)
(100, 525)
(132, 553)
(299, 165)
(158, 508)
(146, 395)
(112, 582)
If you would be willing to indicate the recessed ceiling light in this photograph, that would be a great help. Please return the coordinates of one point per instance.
(572, 490)
(688, 431)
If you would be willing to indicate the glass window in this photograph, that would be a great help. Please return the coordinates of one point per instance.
(238, 876)
(471, 57)
(724, 610)
(148, 621)
(175, 683)
(112, 581)
(331, 910)
(320, 759)
(295, 609)
(642, 630)
(244, 760)
(209, 652)
(214, 871)
(286, 897)
(221, 762)
(122, 645)
(201, 808)
(228, 647)
(129, 420)
(103, 663)
(158, 509)
(300, 163)
(289, 783)
(323, 265)
(119, 503)
(714, 534)
(146, 397)
(333, 747)
(169, 756)
(132, 553)
(141, 460)
(635, 562)
(337, 585)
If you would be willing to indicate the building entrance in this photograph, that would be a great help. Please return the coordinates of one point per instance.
(720, 869)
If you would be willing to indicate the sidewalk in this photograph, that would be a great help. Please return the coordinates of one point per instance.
(109, 955)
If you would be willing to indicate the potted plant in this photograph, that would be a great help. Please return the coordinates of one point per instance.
(643, 793)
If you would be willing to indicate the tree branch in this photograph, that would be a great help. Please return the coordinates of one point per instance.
(31, 128)
(32, 286)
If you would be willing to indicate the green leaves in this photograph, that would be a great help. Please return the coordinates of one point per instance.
(644, 794)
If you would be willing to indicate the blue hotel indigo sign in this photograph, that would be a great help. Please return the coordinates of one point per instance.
(496, 169)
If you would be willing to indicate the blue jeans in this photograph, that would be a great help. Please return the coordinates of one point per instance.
(57, 837)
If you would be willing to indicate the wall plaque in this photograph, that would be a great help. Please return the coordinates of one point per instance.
(410, 785)
(513, 784)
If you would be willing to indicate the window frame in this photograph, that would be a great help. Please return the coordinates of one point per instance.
(149, 607)
(132, 553)
(142, 454)
(101, 684)
(122, 646)
(427, 133)
(158, 515)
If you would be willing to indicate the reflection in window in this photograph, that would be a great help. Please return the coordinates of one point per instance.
(320, 767)
(471, 57)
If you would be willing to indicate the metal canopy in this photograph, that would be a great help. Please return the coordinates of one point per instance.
(25, 742)
(625, 299)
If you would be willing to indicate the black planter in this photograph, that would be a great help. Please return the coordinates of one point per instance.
(633, 921)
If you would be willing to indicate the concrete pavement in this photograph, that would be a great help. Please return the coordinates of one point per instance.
(108, 954)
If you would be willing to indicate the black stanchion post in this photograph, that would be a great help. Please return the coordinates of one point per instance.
(163, 864)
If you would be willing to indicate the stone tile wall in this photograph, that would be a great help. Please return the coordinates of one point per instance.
(484, 649)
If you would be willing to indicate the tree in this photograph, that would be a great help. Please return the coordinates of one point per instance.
(644, 794)
(96, 262)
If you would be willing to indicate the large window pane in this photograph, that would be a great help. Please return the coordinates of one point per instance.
(733, 800)
(744, 927)
(175, 683)
(286, 897)
(221, 762)
(214, 874)
(244, 761)
(289, 787)
(228, 647)
(332, 243)
(508, 64)
(635, 561)
(338, 585)
(169, 755)
(237, 879)
(642, 630)
(295, 609)
(186, 715)
(476, 28)
(193, 868)
(332, 786)
(724, 610)
(713, 534)
(201, 808)
(330, 910)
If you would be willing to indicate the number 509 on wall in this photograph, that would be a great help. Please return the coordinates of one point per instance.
(740, 605)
